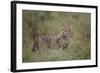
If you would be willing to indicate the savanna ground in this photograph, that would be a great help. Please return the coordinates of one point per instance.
(51, 23)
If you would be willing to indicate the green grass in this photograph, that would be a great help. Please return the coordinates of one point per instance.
(51, 23)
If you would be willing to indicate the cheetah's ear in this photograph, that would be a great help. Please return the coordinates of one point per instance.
(70, 28)
(62, 28)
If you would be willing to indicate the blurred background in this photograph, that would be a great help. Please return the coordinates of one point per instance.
(51, 23)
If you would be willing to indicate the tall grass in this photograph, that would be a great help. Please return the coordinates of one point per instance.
(51, 23)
